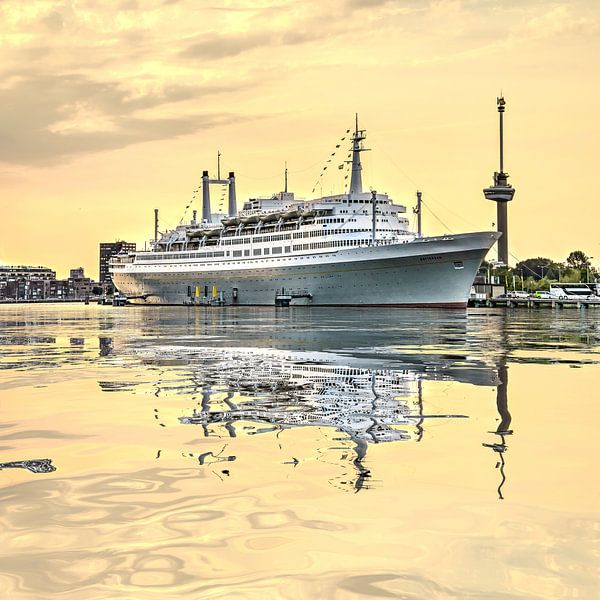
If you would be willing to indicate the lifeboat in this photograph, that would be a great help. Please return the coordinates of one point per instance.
(212, 232)
(270, 217)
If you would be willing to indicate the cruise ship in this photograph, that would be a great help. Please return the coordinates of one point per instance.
(351, 249)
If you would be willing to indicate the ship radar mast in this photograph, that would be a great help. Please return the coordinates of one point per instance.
(357, 147)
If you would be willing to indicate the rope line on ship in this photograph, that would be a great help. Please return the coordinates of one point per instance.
(345, 166)
(429, 195)
(330, 160)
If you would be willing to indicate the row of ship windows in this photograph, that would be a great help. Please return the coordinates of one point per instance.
(265, 252)
(362, 212)
(367, 202)
(260, 238)
(335, 244)
(379, 219)
(366, 212)
(288, 236)
(255, 251)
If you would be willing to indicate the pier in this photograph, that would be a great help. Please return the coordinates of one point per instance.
(536, 303)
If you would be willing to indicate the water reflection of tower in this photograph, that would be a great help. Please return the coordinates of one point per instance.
(503, 429)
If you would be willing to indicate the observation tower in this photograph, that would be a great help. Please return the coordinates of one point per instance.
(501, 192)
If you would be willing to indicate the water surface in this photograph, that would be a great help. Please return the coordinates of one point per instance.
(298, 453)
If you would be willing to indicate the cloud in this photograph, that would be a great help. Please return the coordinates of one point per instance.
(214, 46)
(49, 117)
(558, 21)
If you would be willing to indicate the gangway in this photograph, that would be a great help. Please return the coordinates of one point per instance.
(283, 297)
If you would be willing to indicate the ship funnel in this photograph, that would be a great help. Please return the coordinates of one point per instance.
(205, 197)
(232, 199)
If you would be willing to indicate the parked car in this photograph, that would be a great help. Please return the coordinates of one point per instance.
(542, 294)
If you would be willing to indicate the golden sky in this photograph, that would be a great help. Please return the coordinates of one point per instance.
(110, 109)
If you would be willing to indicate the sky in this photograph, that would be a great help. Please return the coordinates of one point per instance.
(111, 109)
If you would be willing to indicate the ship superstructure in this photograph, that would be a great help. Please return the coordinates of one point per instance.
(354, 248)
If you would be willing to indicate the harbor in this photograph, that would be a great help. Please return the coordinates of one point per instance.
(351, 249)
(299, 300)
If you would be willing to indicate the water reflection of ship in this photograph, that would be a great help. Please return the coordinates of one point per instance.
(258, 390)
(369, 406)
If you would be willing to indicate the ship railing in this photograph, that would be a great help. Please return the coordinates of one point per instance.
(119, 260)
(384, 242)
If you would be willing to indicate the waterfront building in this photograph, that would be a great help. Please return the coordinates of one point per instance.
(25, 282)
(26, 272)
(59, 289)
(79, 286)
(107, 250)
(24, 289)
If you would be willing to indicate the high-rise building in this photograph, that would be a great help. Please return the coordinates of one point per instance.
(108, 249)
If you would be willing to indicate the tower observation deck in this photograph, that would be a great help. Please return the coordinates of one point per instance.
(501, 192)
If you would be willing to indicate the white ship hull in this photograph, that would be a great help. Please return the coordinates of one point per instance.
(427, 272)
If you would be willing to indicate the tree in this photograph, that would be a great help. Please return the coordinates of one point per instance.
(539, 268)
(578, 260)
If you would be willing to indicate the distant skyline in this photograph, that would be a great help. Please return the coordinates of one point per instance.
(108, 113)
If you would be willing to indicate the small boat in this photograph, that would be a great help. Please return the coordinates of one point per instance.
(270, 218)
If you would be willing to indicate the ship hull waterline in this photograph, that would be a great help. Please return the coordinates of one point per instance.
(426, 273)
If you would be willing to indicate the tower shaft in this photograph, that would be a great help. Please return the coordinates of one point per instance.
(502, 220)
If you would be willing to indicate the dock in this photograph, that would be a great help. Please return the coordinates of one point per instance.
(581, 303)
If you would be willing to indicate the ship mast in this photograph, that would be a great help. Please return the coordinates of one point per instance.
(357, 147)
